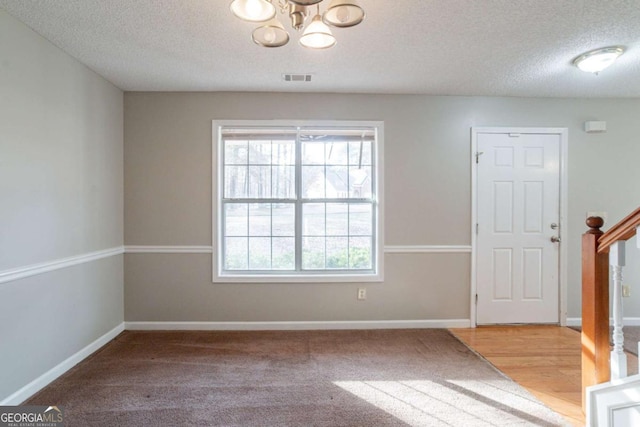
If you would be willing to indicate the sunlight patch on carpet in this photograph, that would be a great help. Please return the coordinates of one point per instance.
(446, 403)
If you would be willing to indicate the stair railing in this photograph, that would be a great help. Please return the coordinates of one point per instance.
(599, 252)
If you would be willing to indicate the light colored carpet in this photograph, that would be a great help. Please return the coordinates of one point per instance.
(631, 338)
(291, 378)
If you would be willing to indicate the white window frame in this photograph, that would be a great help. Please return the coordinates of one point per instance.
(325, 277)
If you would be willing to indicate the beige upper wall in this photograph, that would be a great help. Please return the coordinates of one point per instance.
(427, 165)
(168, 160)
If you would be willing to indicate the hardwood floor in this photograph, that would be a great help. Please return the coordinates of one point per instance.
(543, 359)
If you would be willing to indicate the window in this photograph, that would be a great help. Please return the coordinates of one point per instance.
(298, 201)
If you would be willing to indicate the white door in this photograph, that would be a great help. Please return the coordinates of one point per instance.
(518, 213)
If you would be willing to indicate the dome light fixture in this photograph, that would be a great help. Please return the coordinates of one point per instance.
(317, 35)
(597, 60)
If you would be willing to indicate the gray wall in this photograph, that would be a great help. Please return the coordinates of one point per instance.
(427, 189)
(61, 195)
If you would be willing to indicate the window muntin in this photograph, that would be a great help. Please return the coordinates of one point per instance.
(297, 201)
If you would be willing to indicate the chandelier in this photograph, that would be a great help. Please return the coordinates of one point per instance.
(316, 35)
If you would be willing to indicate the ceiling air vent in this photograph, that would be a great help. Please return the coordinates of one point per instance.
(296, 77)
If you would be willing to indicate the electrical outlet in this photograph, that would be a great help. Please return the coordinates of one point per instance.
(362, 293)
(626, 291)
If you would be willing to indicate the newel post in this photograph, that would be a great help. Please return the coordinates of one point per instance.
(595, 308)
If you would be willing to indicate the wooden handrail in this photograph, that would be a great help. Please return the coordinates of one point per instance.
(623, 230)
(595, 295)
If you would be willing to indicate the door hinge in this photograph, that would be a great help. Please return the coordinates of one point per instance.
(476, 299)
(478, 154)
(477, 228)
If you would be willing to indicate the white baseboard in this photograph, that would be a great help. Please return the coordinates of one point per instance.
(627, 321)
(290, 326)
(574, 321)
(45, 379)
(631, 321)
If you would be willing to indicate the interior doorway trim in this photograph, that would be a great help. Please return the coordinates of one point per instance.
(564, 175)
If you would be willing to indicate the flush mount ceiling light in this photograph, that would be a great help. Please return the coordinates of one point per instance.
(597, 60)
(317, 35)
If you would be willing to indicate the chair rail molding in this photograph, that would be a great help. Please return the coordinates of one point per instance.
(388, 249)
(57, 264)
(167, 249)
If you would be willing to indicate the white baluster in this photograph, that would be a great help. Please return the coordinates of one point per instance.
(618, 358)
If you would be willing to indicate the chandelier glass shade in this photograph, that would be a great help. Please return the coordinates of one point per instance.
(316, 35)
(305, 2)
(271, 34)
(343, 13)
(253, 10)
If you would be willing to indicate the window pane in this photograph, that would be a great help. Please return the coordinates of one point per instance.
(283, 221)
(236, 255)
(260, 152)
(337, 182)
(313, 181)
(313, 253)
(360, 253)
(236, 221)
(337, 252)
(235, 182)
(259, 253)
(264, 190)
(360, 219)
(260, 219)
(360, 182)
(360, 153)
(337, 153)
(283, 153)
(259, 182)
(313, 153)
(283, 182)
(337, 219)
(284, 253)
(235, 152)
(313, 219)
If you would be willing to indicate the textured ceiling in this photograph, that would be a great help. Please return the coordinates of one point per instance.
(443, 47)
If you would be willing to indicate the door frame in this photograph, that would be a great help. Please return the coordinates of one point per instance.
(564, 175)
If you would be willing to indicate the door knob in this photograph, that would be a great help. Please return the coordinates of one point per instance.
(555, 239)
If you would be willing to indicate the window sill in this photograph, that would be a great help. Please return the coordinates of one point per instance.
(299, 278)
